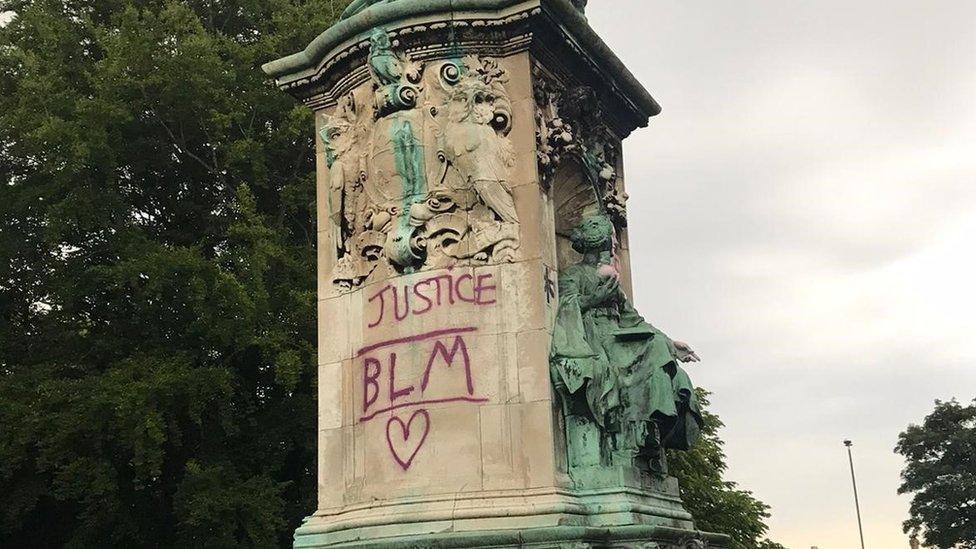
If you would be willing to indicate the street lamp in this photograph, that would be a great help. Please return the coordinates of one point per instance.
(857, 505)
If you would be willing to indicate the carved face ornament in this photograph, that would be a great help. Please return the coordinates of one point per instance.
(472, 101)
(379, 41)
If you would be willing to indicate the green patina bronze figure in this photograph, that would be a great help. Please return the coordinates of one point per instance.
(625, 398)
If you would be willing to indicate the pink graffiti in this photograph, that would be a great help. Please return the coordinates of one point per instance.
(424, 296)
(374, 413)
(441, 349)
(373, 370)
(406, 444)
(448, 351)
(410, 339)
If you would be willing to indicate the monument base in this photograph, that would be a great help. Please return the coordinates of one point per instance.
(610, 518)
(568, 537)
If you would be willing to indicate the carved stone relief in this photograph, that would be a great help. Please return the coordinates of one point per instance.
(357, 6)
(419, 167)
(570, 126)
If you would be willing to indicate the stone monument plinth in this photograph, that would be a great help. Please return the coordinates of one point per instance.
(483, 379)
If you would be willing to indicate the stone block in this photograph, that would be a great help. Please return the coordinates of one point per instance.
(337, 331)
(325, 262)
(501, 448)
(538, 449)
(530, 204)
(626, 275)
(533, 365)
(547, 236)
(527, 311)
(518, 68)
(331, 385)
(331, 462)
(430, 450)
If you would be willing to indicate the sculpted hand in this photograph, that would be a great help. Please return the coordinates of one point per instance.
(601, 294)
(685, 352)
(606, 290)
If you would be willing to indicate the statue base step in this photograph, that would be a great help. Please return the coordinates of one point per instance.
(618, 477)
(558, 537)
(553, 519)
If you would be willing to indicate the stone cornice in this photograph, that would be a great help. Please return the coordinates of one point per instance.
(334, 62)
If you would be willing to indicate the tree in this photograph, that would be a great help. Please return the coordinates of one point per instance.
(940, 472)
(157, 280)
(718, 505)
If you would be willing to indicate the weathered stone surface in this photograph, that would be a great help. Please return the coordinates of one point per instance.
(331, 406)
(533, 352)
(331, 481)
(460, 142)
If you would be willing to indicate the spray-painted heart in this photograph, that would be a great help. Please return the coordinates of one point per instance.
(404, 441)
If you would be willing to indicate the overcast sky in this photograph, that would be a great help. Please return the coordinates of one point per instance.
(806, 208)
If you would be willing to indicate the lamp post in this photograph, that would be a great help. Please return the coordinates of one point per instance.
(857, 505)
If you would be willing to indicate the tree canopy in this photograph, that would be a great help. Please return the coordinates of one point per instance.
(940, 473)
(157, 281)
(157, 318)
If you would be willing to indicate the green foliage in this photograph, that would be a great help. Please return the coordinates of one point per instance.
(157, 279)
(940, 472)
(718, 505)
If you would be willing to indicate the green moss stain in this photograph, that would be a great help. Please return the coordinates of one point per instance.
(411, 167)
(330, 155)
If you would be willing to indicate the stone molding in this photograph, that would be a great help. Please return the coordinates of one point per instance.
(335, 62)
(524, 518)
